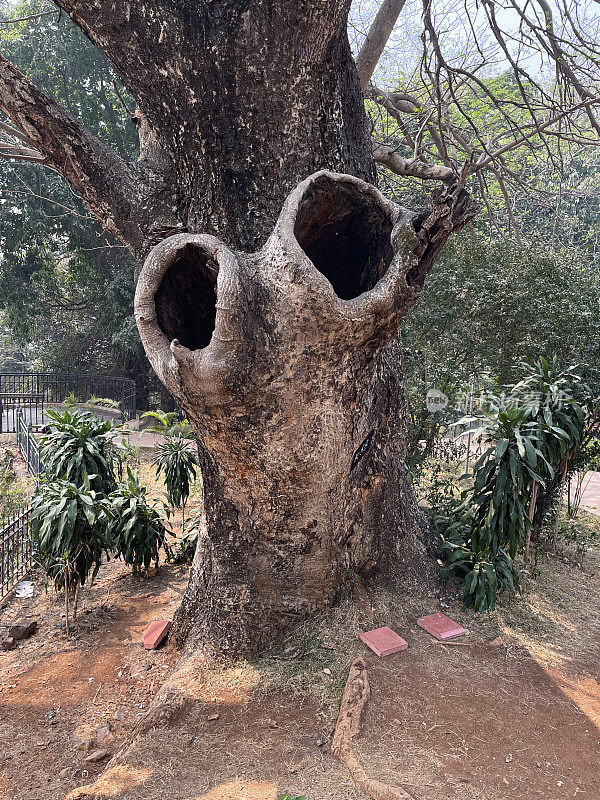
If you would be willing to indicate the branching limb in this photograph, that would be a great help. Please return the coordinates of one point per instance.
(390, 158)
(44, 132)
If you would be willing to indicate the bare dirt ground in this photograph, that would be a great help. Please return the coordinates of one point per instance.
(485, 719)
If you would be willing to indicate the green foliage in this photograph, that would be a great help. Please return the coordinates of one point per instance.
(177, 460)
(184, 552)
(579, 533)
(134, 526)
(286, 796)
(58, 267)
(80, 445)
(168, 425)
(483, 574)
(529, 431)
(186, 547)
(487, 305)
(67, 522)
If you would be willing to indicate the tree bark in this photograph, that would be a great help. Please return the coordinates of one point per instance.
(246, 101)
(281, 345)
(288, 365)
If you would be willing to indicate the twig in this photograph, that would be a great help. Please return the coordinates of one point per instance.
(129, 113)
(31, 16)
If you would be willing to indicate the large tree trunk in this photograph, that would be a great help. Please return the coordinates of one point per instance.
(288, 364)
(286, 358)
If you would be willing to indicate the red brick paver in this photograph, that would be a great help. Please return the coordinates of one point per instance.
(383, 641)
(440, 626)
(155, 633)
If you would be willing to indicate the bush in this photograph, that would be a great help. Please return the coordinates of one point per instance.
(79, 445)
(531, 431)
(178, 461)
(68, 525)
(135, 527)
(168, 425)
(483, 573)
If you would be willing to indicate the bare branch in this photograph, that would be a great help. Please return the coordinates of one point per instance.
(393, 161)
(377, 38)
(23, 193)
(30, 16)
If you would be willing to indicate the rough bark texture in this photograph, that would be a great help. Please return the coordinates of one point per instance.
(247, 99)
(284, 353)
(288, 365)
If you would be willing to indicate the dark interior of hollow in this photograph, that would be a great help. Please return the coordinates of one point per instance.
(346, 234)
(187, 297)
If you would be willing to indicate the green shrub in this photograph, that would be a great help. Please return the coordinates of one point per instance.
(79, 445)
(178, 461)
(168, 425)
(68, 525)
(135, 528)
(530, 432)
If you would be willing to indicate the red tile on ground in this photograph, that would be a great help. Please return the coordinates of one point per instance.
(383, 641)
(155, 633)
(440, 626)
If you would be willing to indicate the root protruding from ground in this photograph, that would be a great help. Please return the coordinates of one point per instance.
(355, 698)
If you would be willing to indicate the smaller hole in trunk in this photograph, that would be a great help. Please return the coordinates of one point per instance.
(187, 297)
(346, 234)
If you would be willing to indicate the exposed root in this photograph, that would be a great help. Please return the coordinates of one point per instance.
(174, 697)
(355, 698)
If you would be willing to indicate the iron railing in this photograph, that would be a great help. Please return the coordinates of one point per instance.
(28, 445)
(34, 390)
(16, 551)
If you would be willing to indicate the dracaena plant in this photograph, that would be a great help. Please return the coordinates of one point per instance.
(531, 431)
(177, 461)
(77, 445)
(483, 531)
(135, 527)
(68, 524)
(167, 424)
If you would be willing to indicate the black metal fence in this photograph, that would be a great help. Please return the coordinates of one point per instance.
(16, 552)
(32, 391)
(28, 445)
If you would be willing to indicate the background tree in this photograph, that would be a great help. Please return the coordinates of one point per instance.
(66, 286)
(286, 359)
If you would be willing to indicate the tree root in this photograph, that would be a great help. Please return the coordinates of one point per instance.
(171, 701)
(355, 698)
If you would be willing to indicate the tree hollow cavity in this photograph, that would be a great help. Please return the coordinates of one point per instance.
(186, 298)
(346, 234)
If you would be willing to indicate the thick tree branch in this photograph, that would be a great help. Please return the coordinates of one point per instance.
(94, 171)
(391, 159)
(377, 38)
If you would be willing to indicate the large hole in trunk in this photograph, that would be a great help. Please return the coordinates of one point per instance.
(187, 297)
(346, 234)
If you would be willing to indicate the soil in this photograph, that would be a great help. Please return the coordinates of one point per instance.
(512, 710)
